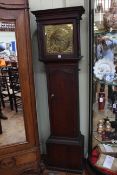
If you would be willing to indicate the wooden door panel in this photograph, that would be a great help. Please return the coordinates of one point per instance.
(62, 91)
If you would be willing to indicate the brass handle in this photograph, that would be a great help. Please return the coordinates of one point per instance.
(52, 95)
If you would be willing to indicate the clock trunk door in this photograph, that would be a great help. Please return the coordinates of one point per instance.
(62, 91)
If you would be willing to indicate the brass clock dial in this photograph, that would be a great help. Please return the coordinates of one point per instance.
(59, 39)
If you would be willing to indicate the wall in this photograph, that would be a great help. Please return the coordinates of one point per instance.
(39, 71)
(7, 37)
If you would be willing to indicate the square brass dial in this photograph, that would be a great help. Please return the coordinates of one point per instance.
(59, 38)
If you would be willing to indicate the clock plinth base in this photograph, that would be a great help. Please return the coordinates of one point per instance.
(65, 154)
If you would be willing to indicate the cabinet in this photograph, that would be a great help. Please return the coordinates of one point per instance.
(59, 49)
(103, 87)
(19, 146)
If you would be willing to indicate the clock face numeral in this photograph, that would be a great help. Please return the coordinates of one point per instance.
(59, 39)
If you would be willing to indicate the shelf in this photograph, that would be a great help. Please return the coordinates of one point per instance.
(98, 138)
(114, 83)
(105, 32)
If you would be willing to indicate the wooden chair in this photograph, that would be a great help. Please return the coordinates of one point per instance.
(6, 91)
(11, 87)
(15, 86)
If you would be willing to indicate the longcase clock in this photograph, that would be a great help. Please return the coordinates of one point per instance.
(59, 49)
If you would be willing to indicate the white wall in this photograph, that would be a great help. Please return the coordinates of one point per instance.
(7, 37)
(39, 71)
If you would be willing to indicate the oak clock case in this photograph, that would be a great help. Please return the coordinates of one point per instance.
(103, 87)
(58, 37)
(59, 48)
(19, 147)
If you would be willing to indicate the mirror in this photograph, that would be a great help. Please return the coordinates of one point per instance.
(11, 115)
(19, 145)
